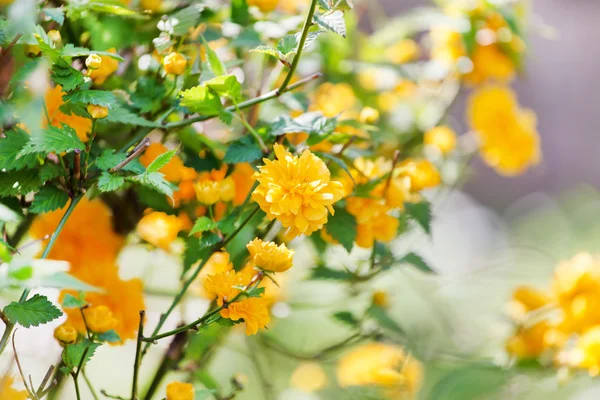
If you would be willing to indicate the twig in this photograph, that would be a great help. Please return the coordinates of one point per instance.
(137, 151)
(111, 396)
(138, 357)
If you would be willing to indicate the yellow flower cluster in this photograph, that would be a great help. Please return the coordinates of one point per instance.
(509, 141)
(8, 392)
(298, 191)
(93, 261)
(565, 321)
(159, 229)
(384, 365)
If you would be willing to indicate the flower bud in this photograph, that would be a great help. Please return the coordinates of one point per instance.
(65, 334)
(380, 298)
(96, 111)
(369, 115)
(32, 50)
(93, 61)
(180, 391)
(99, 319)
(441, 137)
(208, 192)
(54, 35)
(227, 189)
(175, 63)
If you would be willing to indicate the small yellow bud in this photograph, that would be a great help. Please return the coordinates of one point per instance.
(175, 63)
(380, 298)
(208, 192)
(100, 319)
(96, 111)
(32, 50)
(94, 61)
(151, 5)
(369, 115)
(54, 35)
(180, 391)
(441, 137)
(227, 191)
(65, 334)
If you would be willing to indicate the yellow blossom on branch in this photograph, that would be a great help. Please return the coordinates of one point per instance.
(159, 229)
(107, 67)
(269, 256)
(65, 334)
(99, 319)
(253, 311)
(180, 391)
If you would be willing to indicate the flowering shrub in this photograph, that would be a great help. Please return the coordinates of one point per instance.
(218, 132)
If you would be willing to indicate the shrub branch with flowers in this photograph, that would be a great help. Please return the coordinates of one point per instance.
(234, 128)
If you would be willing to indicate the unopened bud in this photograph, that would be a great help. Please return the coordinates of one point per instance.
(93, 61)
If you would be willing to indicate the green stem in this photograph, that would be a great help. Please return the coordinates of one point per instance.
(89, 385)
(10, 326)
(77, 393)
(305, 28)
(138, 357)
(251, 130)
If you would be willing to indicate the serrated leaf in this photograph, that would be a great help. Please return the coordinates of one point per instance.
(159, 162)
(184, 19)
(70, 301)
(381, 316)
(216, 65)
(109, 159)
(75, 109)
(78, 354)
(55, 14)
(270, 51)
(18, 182)
(420, 213)
(5, 244)
(342, 227)
(32, 312)
(201, 100)
(239, 12)
(53, 140)
(226, 86)
(66, 76)
(347, 318)
(324, 5)
(288, 45)
(124, 116)
(10, 146)
(154, 180)
(102, 98)
(334, 22)
(49, 171)
(109, 182)
(109, 336)
(321, 272)
(49, 198)
(209, 239)
(417, 261)
(244, 149)
(343, 4)
(255, 292)
(203, 224)
(71, 51)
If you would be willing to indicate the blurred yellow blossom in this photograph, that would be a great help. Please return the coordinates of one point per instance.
(526, 299)
(217, 263)
(308, 377)
(159, 229)
(97, 112)
(243, 177)
(507, 134)
(264, 5)
(381, 298)
(529, 341)
(490, 64)
(8, 392)
(151, 5)
(208, 192)
(107, 67)
(369, 115)
(586, 354)
(269, 256)
(175, 63)
(180, 391)
(441, 137)
(333, 99)
(421, 172)
(100, 319)
(297, 191)
(403, 51)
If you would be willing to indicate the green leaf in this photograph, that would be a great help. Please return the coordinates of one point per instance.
(226, 86)
(342, 227)
(10, 146)
(78, 354)
(255, 292)
(473, 381)
(203, 224)
(55, 14)
(343, 4)
(53, 140)
(63, 280)
(109, 336)
(321, 272)
(5, 244)
(239, 12)
(66, 76)
(201, 100)
(109, 182)
(288, 45)
(33, 312)
(270, 51)
(417, 261)
(49, 171)
(339, 162)
(334, 22)
(18, 182)
(49, 198)
(114, 9)
(244, 149)
(420, 213)
(324, 5)
(384, 320)
(347, 318)
(21, 274)
(102, 98)
(122, 115)
(209, 239)
(75, 109)
(70, 301)
(160, 161)
(109, 159)
(71, 51)
(216, 65)
(154, 180)
(184, 19)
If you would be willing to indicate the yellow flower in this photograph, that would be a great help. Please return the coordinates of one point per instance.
(252, 310)
(490, 64)
(381, 227)
(441, 137)
(217, 263)
(54, 35)
(508, 135)
(151, 5)
(333, 99)
(97, 112)
(175, 63)
(297, 191)
(269, 256)
(369, 115)
(8, 392)
(65, 334)
(529, 341)
(309, 377)
(586, 354)
(447, 45)
(224, 286)
(264, 5)
(422, 174)
(243, 177)
(381, 298)
(404, 51)
(208, 192)
(380, 364)
(99, 319)
(107, 67)
(93, 61)
(227, 189)
(526, 299)
(81, 125)
(159, 229)
(180, 391)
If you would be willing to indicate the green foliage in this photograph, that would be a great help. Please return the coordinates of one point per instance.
(97, 97)
(202, 100)
(109, 159)
(71, 51)
(10, 146)
(53, 140)
(154, 180)
(70, 301)
(244, 149)
(420, 213)
(239, 12)
(110, 182)
(78, 354)
(122, 115)
(380, 315)
(66, 76)
(332, 21)
(216, 65)
(49, 198)
(161, 161)
(180, 22)
(55, 14)
(19, 182)
(32, 312)
(21, 274)
(342, 227)
(320, 272)
(346, 318)
(417, 261)
(226, 86)
(473, 381)
(109, 336)
(202, 224)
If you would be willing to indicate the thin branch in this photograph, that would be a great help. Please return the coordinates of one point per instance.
(138, 357)
(136, 152)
